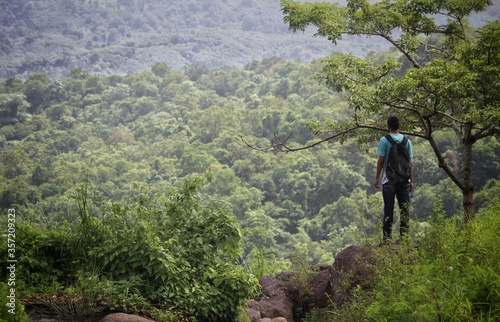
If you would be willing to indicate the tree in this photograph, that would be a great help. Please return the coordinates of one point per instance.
(160, 69)
(447, 77)
(11, 104)
(36, 91)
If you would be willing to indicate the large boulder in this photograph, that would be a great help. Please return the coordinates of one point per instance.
(275, 300)
(284, 297)
(353, 266)
(321, 287)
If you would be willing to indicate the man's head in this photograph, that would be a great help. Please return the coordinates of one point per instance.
(393, 123)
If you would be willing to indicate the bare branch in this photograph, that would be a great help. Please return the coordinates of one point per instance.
(427, 46)
(404, 52)
(281, 144)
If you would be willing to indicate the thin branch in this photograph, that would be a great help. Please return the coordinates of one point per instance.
(389, 39)
(281, 144)
(406, 53)
(413, 110)
(427, 46)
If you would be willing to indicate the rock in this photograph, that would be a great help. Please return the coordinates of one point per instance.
(353, 266)
(281, 297)
(253, 311)
(322, 290)
(276, 297)
(280, 319)
(122, 317)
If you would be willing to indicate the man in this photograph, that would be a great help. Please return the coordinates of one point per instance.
(389, 190)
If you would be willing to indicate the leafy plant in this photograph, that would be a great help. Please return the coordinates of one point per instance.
(177, 252)
(11, 310)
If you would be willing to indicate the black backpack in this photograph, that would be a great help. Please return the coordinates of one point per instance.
(398, 169)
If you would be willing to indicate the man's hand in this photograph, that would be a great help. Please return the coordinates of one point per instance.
(376, 184)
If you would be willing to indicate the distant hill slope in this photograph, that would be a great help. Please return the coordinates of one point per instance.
(126, 36)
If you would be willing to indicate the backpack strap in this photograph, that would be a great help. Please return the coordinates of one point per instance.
(404, 142)
(390, 139)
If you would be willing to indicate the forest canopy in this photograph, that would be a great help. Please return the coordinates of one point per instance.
(138, 192)
(156, 128)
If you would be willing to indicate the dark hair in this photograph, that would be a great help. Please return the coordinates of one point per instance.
(393, 123)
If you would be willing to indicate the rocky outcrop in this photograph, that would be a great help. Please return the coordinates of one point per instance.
(285, 297)
(276, 299)
(353, 266)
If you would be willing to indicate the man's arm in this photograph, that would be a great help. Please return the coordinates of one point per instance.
(380, 165)
(410, 151)
(411, 174)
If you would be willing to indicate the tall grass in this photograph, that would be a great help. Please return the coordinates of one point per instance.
(453, 275)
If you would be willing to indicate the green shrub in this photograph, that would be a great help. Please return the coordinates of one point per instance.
(454, 276)
(176, 252)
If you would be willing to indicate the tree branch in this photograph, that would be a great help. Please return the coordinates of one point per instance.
(444, 165)
(281, 144)
(406, 53)
(486, 131)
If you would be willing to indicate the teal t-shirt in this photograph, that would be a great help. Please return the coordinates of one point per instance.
(384, 147)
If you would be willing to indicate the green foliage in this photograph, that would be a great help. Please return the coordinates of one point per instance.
(301, 281)
(11, 310)
(147, 130)
(263, 262)
(177, 251)
(455, 278)
(124, 133)
(452, 276)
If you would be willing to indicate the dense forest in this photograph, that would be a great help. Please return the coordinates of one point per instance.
(121, 37)
(155, 128)
(88, 147)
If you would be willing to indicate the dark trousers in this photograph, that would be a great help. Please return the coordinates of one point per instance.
(402, 193)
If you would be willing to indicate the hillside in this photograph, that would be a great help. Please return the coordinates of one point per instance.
(122, 37)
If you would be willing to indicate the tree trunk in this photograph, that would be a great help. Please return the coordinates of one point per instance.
(468, 186)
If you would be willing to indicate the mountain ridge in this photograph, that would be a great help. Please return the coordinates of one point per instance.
(122, 37)
(114, 37)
